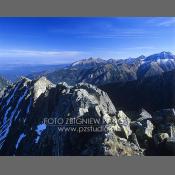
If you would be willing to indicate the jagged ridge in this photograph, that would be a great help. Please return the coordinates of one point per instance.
(24, 106)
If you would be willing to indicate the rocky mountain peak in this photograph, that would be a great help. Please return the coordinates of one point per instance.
(88, 62)
(165, 54)
(161, 55)
(142, 57)
(25, 106)
(22, 78)
(40, 86)
(112, 61)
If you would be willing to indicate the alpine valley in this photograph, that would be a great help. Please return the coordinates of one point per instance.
(133, 99)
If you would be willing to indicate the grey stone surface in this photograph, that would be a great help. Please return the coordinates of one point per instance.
(27, 103)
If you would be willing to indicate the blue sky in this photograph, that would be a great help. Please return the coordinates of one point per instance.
(64, 40)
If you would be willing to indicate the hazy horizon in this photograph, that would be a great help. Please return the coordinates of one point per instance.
(16, 64)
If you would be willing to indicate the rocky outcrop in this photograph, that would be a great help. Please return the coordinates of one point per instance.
(40, 118)
(165, 130)
(3, 83)
(124, 123)
(159, 138)
(161, 133)
(145, 129)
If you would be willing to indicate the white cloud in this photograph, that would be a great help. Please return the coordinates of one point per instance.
(125, 33)
(168, 22)
(162, 21)
(37, 53)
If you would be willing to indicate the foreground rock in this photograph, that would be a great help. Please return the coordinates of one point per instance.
(124, 123)
(40, 118)
(160, 138)
(145, 129)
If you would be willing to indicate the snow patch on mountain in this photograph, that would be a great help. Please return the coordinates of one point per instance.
(19, 140)
(40, 128)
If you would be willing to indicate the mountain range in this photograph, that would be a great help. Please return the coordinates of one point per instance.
(100, 72)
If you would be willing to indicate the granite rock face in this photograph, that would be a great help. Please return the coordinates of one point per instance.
(31, 112)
